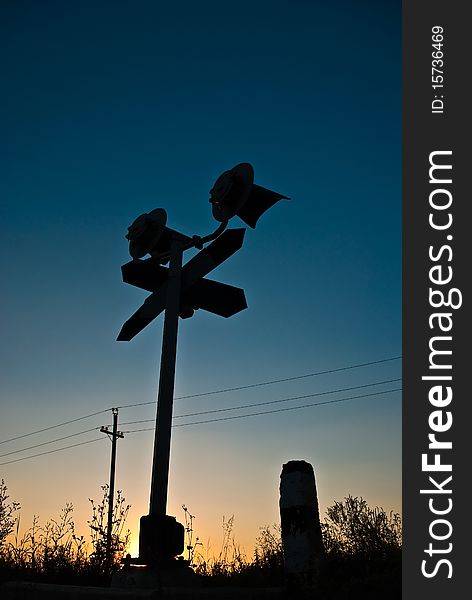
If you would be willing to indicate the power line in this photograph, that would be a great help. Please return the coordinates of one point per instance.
(218, 410)
(65, 437)
(275, 411)
(211, 421)
(52, 451)
(220, 391)
(100, 412)
(274, 381)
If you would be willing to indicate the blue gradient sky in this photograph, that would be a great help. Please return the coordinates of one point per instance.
(114, 108)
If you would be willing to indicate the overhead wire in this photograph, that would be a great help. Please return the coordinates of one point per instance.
(334, 401)
(65, 437)
(212, 392)
(254, 404)
(52, 451)
(272, 382)
(274, 411)
(18, 437)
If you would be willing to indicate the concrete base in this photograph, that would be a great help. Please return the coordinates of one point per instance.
(24, 590)
(148, 578)
(20, 590)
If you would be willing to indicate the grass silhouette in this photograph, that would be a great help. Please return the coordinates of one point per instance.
(362, 550)
(54, 552)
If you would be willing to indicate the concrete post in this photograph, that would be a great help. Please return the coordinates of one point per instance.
(301, 530)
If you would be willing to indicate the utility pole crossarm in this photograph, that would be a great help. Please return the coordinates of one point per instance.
(104, 429)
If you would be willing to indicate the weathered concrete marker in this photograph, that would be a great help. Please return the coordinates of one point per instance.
(301, 530)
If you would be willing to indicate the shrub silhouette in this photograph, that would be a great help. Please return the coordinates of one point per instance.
(98, 528)
(353, 529)
(7, 514)
(363, 552)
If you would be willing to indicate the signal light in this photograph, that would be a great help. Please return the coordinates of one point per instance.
(235, 193)
(145, 232)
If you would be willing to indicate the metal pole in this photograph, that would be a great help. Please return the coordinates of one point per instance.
(114, 438)
(161, 458)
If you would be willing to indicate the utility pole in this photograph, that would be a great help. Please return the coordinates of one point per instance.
(113, 435)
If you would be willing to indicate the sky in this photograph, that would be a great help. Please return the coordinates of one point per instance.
(114, 108)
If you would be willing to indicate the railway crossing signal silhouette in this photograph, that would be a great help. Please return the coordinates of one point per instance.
(178, 290)
(196, 291)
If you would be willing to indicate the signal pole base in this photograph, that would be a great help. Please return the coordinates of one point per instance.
(161, 539)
